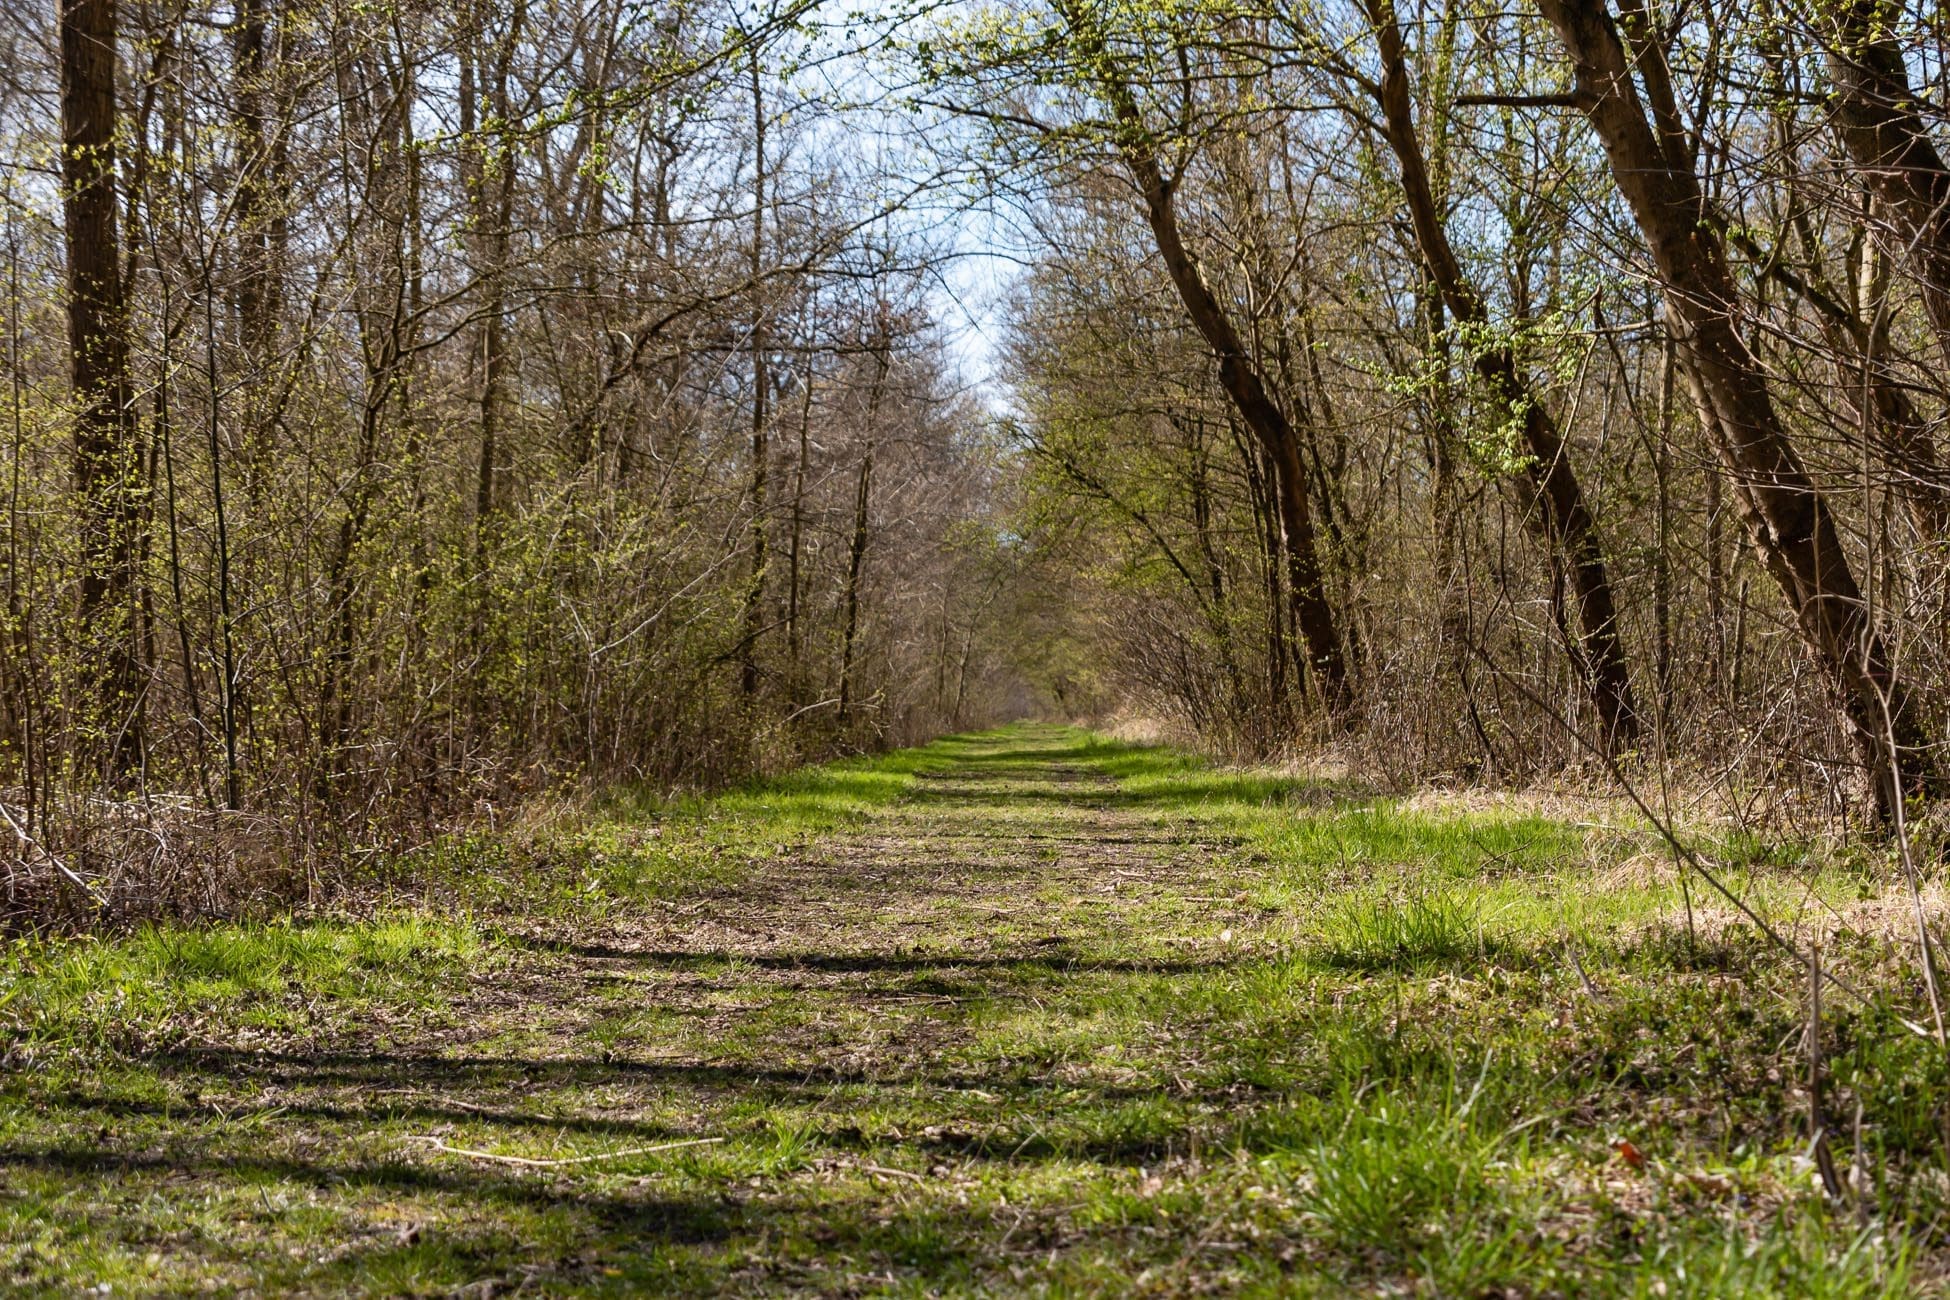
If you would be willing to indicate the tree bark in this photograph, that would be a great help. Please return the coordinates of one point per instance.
(107, 458)
(1873, 112)
(256, 192)
(856, 553)
(1260, 475)
(493, 217)
(761, 384)
(794, 633)
(1788, 518)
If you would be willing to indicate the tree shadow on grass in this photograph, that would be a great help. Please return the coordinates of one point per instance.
(1059, 956)
(108, 1105)
(634, 1237)
(452, 1075)
(636, 1217)
(1248, 792)
(961, 1135)
(1008, 1136)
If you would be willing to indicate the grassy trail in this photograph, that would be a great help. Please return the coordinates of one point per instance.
(1027, 1011)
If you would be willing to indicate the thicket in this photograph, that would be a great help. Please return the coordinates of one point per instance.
(413, 408)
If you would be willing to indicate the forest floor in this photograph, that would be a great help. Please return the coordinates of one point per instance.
(1024, 1011)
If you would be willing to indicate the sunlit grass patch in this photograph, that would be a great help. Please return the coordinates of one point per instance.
(95, 990)
(1407, 933)
(1398, 1181)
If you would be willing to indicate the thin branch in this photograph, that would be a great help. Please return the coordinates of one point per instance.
(528, 1163)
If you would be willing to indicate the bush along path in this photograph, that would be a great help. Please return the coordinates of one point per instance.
(1026, 1011)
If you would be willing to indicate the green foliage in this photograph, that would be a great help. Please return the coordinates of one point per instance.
(164, 980)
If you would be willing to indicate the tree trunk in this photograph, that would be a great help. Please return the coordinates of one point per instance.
(1218, 617)
(383, 327)
(1241, 379)
(256, 192)
(1259, 482)
(1562, 519)
(794, 634)
(1882, 135)
(1875, 118)
(856, 553)
(493, 217)
(761, 384)
(1788, 518)
(107, 457)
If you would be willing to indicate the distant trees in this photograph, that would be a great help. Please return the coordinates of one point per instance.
(455, 401)
(408, 406)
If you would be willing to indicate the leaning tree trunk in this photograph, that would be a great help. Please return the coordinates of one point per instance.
(1243, 383)
(1789, 519)
(1564, 519)
(1241, 378)
(107, 457)
(1875, 118)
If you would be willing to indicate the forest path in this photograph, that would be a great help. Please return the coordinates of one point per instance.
(839, 1037)
(879, 957)
(1017, 855)
(1022, 1012)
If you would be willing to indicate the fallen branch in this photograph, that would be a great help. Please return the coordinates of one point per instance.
(529, 1163)
(1590, 989)
(1681, 852)
(883, 1170)
(28, 841)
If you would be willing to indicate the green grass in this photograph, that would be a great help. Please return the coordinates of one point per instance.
(1025, 1011)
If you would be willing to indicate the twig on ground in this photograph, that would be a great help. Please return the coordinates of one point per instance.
(529, 1163)
(1683, 852)
(864, 1167)
(1590, 989)
(1817, 1121)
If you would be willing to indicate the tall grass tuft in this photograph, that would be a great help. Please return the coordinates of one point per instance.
(1405, 933)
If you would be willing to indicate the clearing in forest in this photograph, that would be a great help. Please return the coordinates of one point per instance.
(1022, 1011)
